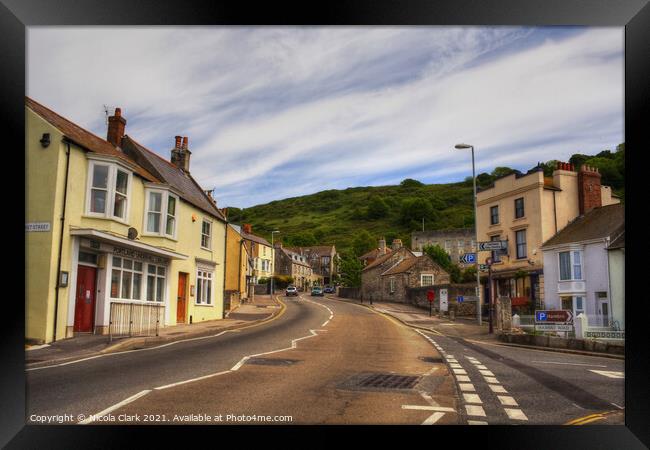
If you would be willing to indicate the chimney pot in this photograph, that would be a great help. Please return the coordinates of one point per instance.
(116, 126)
(185, 143)
(178, 142)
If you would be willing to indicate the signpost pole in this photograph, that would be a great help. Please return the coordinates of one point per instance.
(490, 301)
(478, 274)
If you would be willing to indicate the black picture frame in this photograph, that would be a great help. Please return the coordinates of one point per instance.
(634, 15)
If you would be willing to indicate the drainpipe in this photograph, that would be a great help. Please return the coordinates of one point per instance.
(225, 255)
(58, 266)
(554, 212)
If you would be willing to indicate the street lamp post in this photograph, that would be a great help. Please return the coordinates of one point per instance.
(273, 259)
(478, 276)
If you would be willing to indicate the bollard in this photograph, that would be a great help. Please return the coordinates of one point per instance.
(516, 321)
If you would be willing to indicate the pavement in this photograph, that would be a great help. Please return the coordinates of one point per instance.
(262, 308)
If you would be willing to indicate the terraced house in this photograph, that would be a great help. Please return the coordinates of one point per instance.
(111, 227)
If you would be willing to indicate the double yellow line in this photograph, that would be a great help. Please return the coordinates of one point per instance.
(590, 418)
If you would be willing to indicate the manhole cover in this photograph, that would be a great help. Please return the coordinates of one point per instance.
(389, 381)
(431, 359)
(272, 361)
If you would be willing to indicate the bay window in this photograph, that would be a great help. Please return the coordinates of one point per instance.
(160, 213)
(570, 263)
(108, 190)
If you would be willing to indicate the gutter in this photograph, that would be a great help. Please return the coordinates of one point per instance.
(58, 266)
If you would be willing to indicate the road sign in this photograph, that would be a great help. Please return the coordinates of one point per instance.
(431, 295)
(483, 267)
(554, 327)
(444, 301)
(554, 316)
(468, 258)
(460, 299)
(493, 245)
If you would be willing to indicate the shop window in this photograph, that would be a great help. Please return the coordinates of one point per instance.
(108, 190)
(155, 283)
(204, 287)
(126, 279)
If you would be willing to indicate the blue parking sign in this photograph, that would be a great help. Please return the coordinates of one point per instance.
(540, 316)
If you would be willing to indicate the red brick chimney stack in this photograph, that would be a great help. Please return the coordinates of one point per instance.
(116, 126)
(178, 142)
(181, 154)
(589, 196)
(248, 228)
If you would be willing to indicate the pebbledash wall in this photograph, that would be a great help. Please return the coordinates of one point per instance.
(106, 238)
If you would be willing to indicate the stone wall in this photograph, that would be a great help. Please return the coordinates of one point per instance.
(418, 297)
(349, 292)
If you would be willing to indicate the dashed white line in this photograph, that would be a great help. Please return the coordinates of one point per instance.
(506, 400)
(491, 380)
(459, 371)
(498, 389)
(463, 378)
(481, 367)
(429, 408)
(468, 387)
(472, 398)
(515, 414)
(475, 410)
(486, 373)
(114, 407)
(608, 373)
(476, 422)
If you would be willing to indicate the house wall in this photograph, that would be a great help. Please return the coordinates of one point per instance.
(617, 285)
(237, 261)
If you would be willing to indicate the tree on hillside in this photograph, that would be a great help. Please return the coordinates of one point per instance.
(499, 172)
(350, 270)
(235, 215)
(440, 257)
(578, 160)
(363, 242)
(377, 208)
(413, 210)
(411, 183)
(301, 239)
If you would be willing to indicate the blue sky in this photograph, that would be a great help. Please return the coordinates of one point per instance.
(276, 112)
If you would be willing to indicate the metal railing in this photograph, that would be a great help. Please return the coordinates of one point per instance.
(134, 319)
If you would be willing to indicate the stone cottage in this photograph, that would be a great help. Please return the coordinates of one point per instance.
(389, 276)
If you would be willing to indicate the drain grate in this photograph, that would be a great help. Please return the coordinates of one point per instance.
(431, 359)
(272, 361)
(389, 381)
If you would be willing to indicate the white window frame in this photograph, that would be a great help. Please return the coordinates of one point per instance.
(164, 204)
(204, 277)
(422, 275)
(156, 276)
(120, 280)
(391, 284)
(572, 265)
(209, 247)
(110, 190)
(517, 244)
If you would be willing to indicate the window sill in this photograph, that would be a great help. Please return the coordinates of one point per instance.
(206, 249)
(519, 219)
(204, 304)
(102, 217)
(156, 235)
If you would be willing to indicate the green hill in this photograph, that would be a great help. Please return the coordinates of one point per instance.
(340, 217)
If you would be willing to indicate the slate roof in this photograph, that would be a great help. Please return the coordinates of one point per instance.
(178, 179)
(401, 267)
(384, 258)
(321, 250)
(373, 253)
(86, 139)
(597, 223)
(290, 254)
(618, 242)
(254, 238)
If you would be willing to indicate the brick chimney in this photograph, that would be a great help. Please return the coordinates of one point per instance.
(116, 126)
(397, 244)
(247, 227)
(181, 154)
(382, 246)
(589, 196)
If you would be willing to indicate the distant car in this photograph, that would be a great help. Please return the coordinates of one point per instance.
(291, 290)
(329, 290)
(317, 291)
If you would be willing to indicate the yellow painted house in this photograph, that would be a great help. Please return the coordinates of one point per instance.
(111, 227)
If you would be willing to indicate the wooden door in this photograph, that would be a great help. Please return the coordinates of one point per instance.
(181, 306)
(84, 312)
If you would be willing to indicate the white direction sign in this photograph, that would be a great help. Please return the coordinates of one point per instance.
(444, 300)
(492, 245)
(554, 327)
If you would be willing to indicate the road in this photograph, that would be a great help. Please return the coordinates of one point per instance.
(315, 363)
(510, 385)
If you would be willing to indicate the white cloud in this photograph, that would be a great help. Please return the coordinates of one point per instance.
(349, 103)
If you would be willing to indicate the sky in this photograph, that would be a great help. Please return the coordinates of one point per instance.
(278, 112)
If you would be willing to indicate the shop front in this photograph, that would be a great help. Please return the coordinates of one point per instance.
(107, 272)
(522, 287)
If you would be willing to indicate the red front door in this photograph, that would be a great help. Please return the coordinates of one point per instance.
(84, 311)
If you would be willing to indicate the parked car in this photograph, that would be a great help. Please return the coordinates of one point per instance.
(291, 290)
(329, 290)
(317, 291)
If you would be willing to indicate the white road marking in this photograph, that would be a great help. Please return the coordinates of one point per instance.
(515, 414)
(498, 389)
(481, 367)
(618, 406)
(466, 387)
(475, 362)
(167, 386)
(569, 364)
(476, 422)
(429, 408)
(114, 407)
(463, 378)
(491, 380)
(608, 373)
(459, 371)
(450, 356)
(455, 366)
(325, 323)
(486, 372)
(506, 400)
(36, 347)
(433, 418)
(475, 410)
(472, 398)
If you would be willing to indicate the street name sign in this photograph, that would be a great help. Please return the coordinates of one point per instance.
(468, 258)
(37, 226)
(605, 334)
(483, 267)
(492, 245)
(554, 327)
(554, 316)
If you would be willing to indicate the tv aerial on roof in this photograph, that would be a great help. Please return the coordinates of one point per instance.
(108, 111)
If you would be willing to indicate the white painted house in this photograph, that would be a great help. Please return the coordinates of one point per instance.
(577, 267)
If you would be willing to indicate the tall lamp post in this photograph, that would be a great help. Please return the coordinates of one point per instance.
(272, 260)
(478, 276)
